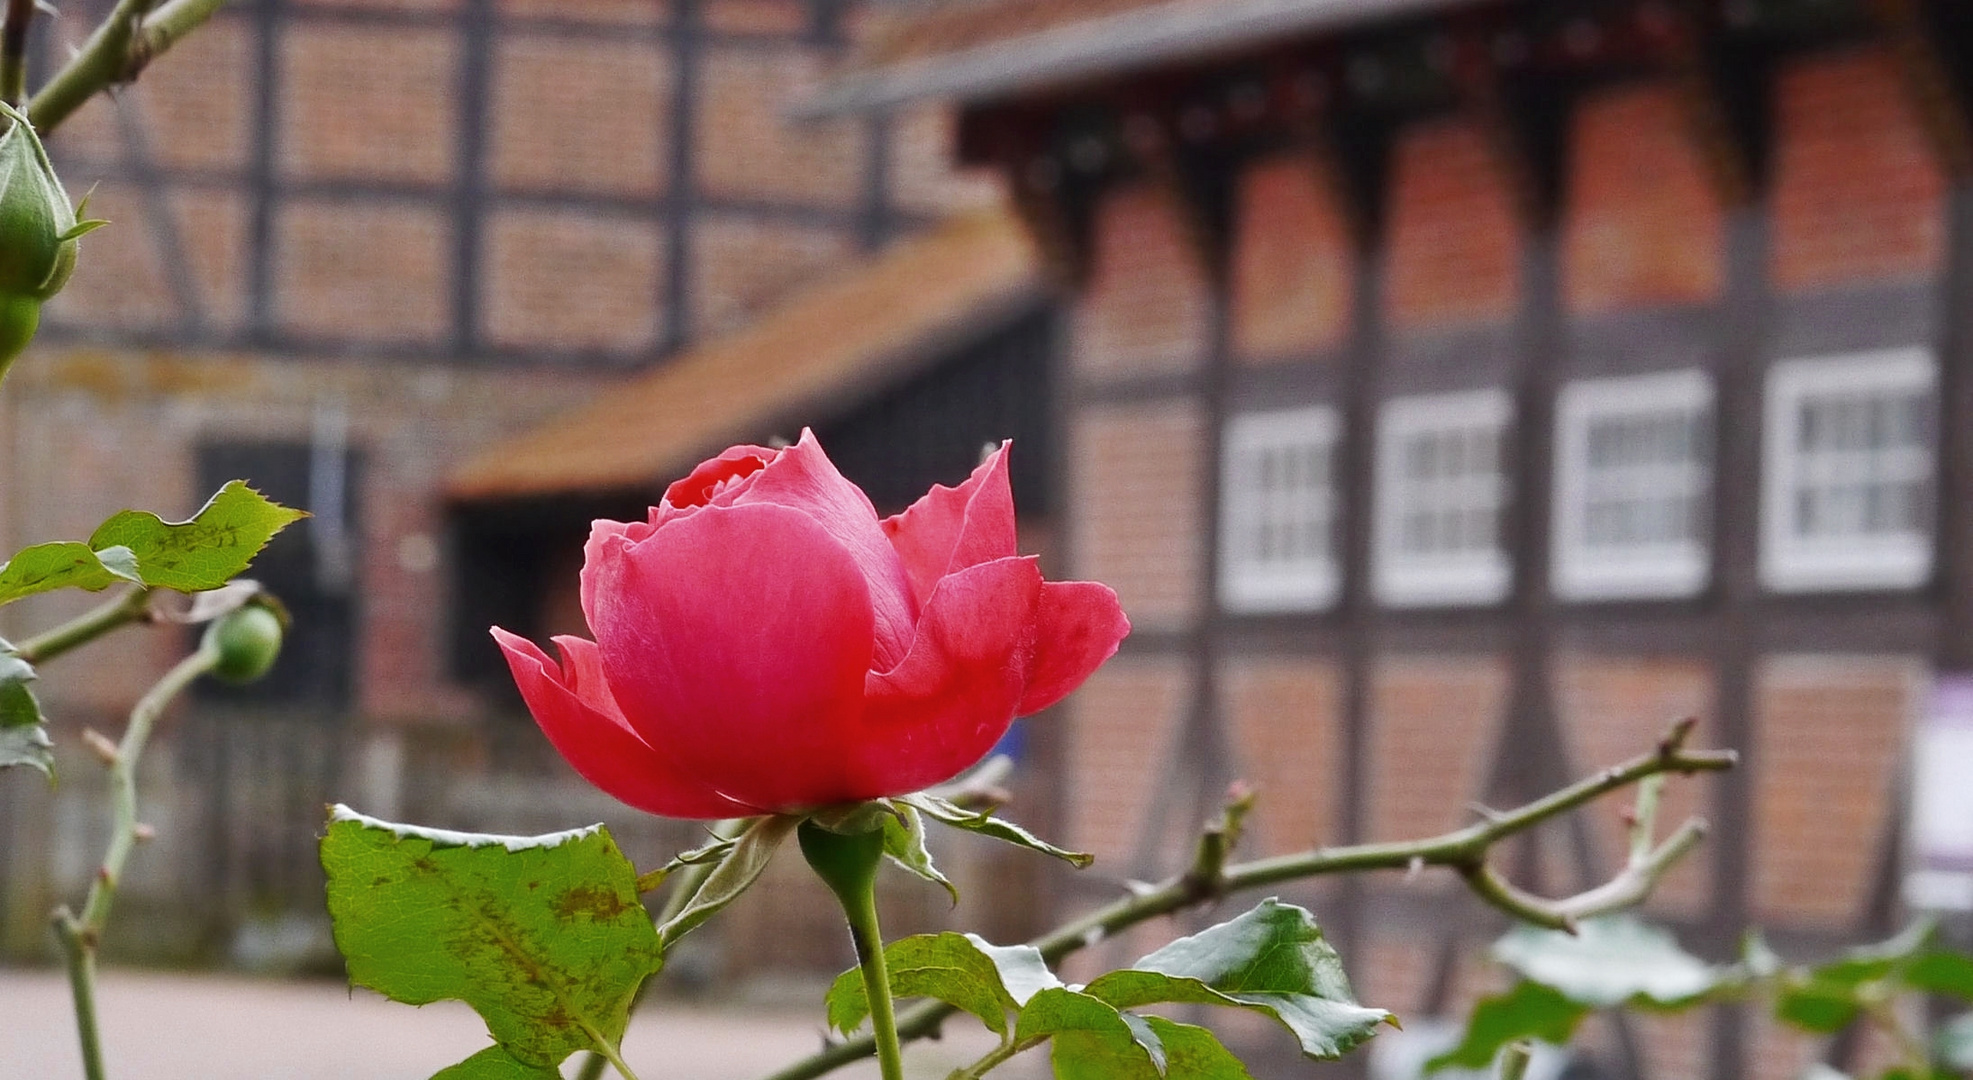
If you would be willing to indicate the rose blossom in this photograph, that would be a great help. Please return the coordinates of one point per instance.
(764, 643)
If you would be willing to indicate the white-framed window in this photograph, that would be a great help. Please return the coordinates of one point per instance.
(1633, 484)
(1441, 495)
(1848, 467)
(1278, 511)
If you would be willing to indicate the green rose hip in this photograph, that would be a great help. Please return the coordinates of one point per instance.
(248, 641)
(38, 233)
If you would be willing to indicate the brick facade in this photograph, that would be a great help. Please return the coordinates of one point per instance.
(1145, 309)
(1644, 223)
(1858, 191)
(1293, 276)
(452, 231)
(1853, 199)
(1453, 254)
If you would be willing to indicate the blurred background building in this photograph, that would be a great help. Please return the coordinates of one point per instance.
(1456, 391)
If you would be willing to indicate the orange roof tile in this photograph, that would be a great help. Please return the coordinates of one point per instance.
(811, 358)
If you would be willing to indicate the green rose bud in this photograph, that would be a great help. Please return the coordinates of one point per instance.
(38, 232)
(248, 641)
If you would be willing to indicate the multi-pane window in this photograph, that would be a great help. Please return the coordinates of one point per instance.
(1277, 526)
(1849, 471)
(1633, 480)
(1441, 493)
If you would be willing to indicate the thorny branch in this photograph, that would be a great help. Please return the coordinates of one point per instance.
(80, 934)
(133, 34)
(1463, 850)
(13, 51)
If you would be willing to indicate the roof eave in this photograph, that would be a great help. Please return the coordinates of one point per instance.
(1081, 51)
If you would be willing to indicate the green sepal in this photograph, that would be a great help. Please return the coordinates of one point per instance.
(904, 844)
(738, 869)
(986, 824)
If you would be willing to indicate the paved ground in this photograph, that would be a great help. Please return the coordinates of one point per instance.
(205, 1027)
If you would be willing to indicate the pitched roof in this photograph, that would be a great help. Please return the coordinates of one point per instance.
(990, 48)
(820, 353)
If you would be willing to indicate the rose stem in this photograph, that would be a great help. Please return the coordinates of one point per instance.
(848, 865)
(81, 934)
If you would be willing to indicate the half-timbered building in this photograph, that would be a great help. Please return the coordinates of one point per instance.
(1458, 391)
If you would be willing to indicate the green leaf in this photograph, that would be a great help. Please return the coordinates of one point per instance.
(1828, 997)
(1610, 961)
(1530, 1010)
(64, 565)
(962, 970)
(23, 734)
(1942, 972)
(987, 825)
(1817, 1006)
(1273, 960)
(1193, 1053)
(739, 868)
(495, 1063)
(904, 842)
(1092, 1040)
(543, 936)
(208, 550)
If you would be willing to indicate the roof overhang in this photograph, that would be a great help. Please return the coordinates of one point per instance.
(851, 335)
(1105, 45)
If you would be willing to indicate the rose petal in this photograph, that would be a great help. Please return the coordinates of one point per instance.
(714, 482)
(951, 529)
(803, 478)
(955, 693)
(1078, 625)
(603, 532)
(596, 741)
(736, 640)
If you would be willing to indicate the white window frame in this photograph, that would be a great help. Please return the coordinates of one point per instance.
(1793, 563)
(1402, 579)
(1662, 570)
(1250, 585)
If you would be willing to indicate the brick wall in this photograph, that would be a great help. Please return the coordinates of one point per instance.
(94, 431)
(1643, 224)
(1434, 724)
(546, 133)
(1282, 716)
(1294, 262)
(1144, 309)
(1829, 734)
(1135, 479)
(1858, 193)
(579, 144)
(1120, 730)
(1453, 246)
(567, 280)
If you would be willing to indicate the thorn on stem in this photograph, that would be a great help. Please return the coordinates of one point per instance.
(100, 745)
(143, 831)
(1675, 738)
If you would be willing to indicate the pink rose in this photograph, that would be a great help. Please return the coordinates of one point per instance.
(764, 643)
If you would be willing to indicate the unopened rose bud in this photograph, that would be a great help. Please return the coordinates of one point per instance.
(38, 232)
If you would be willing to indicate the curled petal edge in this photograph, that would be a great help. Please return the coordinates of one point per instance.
(601, 747)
